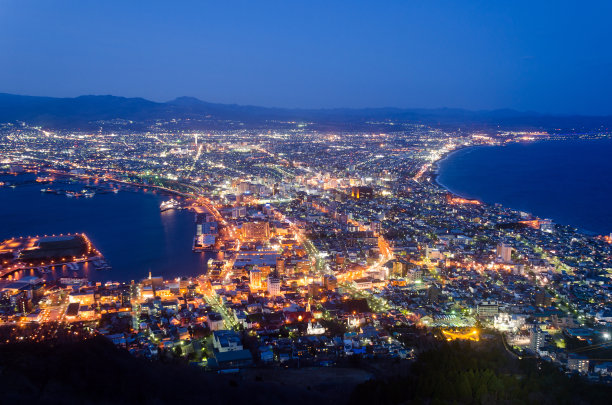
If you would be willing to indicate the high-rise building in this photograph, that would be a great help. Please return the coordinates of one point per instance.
(536, 338)
(273, 285)
(280, 265)
(504, 253)
(330, 282)
(376, 227)
(255, 278)
(303, 266)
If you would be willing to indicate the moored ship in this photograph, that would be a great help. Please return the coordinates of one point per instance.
(169, 205)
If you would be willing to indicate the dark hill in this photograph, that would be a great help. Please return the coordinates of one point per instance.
(95, 372)
(85, 110)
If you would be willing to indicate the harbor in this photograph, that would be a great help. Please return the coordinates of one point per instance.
(128, 226)
(48, 253)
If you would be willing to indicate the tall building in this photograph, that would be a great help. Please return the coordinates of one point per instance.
(330, 282)
(400, 268)
(376, 227)
(536, 338)
(255, 278)
(504, 253)
(280, 265)
(273, 285)
(243, 187)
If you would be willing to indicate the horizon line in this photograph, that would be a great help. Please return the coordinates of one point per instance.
(388, 107)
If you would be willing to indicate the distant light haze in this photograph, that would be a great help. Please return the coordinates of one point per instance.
(545, 56)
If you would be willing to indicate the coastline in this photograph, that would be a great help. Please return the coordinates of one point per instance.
(435, 177)
(436, 166)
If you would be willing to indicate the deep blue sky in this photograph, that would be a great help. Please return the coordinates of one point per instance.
(547, 56)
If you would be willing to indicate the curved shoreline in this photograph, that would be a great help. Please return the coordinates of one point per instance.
(435, 175)
(437, 166)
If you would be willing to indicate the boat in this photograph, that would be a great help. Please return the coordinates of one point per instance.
(72, 266)
(169, 205)
(101, 264)
(73, 194)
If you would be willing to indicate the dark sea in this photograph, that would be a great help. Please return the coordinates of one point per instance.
(569, 182)
(127, 228)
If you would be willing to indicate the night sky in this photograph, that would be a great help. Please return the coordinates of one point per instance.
(545, 56)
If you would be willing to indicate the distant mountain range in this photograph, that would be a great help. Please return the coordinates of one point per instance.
(87, 111)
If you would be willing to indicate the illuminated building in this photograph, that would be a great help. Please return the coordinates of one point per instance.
(314, 328)
(238, 212)
(362, 192)
(330, 282)
(487, 309)
(256, 230)
(546, 225)
(536, 338)
(255, 278)
(376, 227)
(226, 341)
(280, 265)
(504, 253)
(507, 322)
(578, 363)
(215, 321)
(314, 291)
(273, 285)
(303, 266)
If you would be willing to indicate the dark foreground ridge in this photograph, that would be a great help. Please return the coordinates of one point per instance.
(95, 371)
(458, 373)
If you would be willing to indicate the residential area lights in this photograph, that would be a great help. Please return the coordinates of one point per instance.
(325, 245)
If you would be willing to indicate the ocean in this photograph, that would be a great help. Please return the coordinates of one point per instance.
(567, 181)
(127, 228)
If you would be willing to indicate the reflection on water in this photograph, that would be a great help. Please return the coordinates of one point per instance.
(127, 228)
